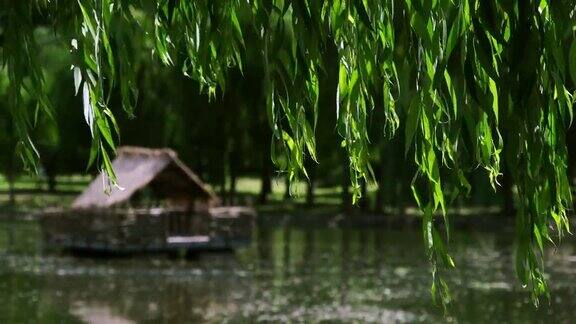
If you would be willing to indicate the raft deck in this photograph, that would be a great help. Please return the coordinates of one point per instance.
(120, 232)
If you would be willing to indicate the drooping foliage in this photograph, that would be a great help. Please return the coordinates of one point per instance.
(470, 84)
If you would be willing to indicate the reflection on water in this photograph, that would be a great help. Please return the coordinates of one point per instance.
(287, 274)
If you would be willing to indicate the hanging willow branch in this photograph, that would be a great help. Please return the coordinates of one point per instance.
(469, 82)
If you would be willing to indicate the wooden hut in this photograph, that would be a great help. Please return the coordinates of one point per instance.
(148, 177)
(159, 206)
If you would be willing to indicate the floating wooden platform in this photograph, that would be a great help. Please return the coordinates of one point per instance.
(132, 231)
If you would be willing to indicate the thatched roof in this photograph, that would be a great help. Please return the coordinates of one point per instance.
(137, 168)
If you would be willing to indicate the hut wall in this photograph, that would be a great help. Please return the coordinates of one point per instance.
(109, 227)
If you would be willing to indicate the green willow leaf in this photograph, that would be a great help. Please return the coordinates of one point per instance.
(473, 83)
(572, 61)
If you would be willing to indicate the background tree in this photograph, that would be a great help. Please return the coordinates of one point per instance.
(470, 83)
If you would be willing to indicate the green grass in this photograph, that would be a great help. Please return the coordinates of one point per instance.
(247, 193)
(27, 202)
(24, 182)
(248, 190)
(326, 199)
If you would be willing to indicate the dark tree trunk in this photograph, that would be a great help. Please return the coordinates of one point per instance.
(311, 183)
(286, 188)
(51, 168)
(11, 191)
(346, 199)
(571, 143)
(401, 194)
(232, 190)
(508, 208)
(310, 192)
(265, 189)
(364, 201)
(223, 185)
(233, 167)
(380, 193)
(265, 176)
(11, 164)
(51, 182)
(399, 175)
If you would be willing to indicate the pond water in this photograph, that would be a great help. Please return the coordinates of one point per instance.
(289, 273)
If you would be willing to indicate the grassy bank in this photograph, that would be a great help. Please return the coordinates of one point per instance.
(32, 194)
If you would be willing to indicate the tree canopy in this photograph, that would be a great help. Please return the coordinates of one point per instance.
(468, 84)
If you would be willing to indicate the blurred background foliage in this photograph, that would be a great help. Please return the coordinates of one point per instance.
(478, 95)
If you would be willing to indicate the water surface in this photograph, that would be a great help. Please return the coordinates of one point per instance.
(289, 273)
